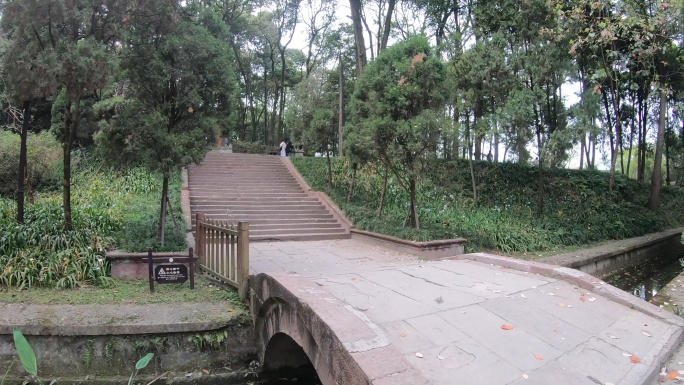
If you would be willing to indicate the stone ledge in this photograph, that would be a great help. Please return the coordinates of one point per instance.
(583, 257)
(431, 249)
(116, 319)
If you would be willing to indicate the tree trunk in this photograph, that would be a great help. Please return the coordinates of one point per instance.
(582, 145)
(352, 183)
(472, 176)
(162, 213)
(359, 43)
(384, 192)
(22, 161)
(657, 178)
(414, 204)
(71, 122)
(387, 26)
(340, 112)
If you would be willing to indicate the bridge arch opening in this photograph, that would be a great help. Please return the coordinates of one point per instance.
(282, 352)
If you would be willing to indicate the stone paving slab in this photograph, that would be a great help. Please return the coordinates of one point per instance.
(568, 328)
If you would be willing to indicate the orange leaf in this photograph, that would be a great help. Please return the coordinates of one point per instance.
(539, 357)
(634, 359)
(673, 374)
(205, 371)
(582, 299)
(506, 327)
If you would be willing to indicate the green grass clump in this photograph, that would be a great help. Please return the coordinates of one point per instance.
(578, 209)
(121, 291)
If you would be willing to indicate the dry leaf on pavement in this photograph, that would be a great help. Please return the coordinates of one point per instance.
(634, 359)
(506, 327)
(673, 374)
(582, 299)
(539, 357)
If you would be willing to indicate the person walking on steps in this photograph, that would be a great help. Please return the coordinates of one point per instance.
(288, 147)
(283, 147)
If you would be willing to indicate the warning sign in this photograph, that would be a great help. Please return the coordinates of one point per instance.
(171, 273)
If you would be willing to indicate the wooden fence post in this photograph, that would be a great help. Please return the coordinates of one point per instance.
(243, 259)
(201, 240)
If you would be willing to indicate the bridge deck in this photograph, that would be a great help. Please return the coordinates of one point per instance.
(444, 319)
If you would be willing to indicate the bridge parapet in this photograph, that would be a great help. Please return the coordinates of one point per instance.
(296, 322)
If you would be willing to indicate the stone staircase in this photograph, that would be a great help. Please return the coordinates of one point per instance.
(260, 189)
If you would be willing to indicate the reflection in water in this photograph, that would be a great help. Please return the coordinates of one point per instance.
(646, 280)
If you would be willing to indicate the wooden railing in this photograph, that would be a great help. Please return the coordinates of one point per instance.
(223, 251)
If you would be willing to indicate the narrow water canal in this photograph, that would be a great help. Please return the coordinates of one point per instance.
(648, 278)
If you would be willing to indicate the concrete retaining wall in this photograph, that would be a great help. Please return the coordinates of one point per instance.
(617, 256)
(108, 356)
(428, 250)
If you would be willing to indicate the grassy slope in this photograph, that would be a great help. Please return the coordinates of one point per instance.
(578, 209)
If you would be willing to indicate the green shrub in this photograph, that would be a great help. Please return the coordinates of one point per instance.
(248, 147)
(110, 210)
(577, 209)
(44, 155)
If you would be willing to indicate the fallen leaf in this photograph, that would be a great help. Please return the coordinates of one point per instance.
(673, 374)
(569, 305)
(626, 354)
(525, 376)
(539, 357)
(634, 359)
(550, 293)
(592, 299)
(419, 355)
(506, 327)
(403, 334)
(561, 304)
(205, 371)
(647, 334)
(523, 295)
(612, 336)
(231, 309)
(582, 299)
(440, 357)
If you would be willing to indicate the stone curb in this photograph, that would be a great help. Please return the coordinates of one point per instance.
(103, 330)
(663, 350)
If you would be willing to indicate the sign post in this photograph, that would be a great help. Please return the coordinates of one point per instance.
(170, 272)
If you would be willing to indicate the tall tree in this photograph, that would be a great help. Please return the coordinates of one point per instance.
(68, 43)
(396, 108)
(182, 88)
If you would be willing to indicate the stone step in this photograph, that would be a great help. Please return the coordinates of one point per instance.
(258, 211)
(243, 203)
(248, 189)
(272, 221)
(260, 232)
(298, 237)
(243, 195)
(309, 225)
(252, 202)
